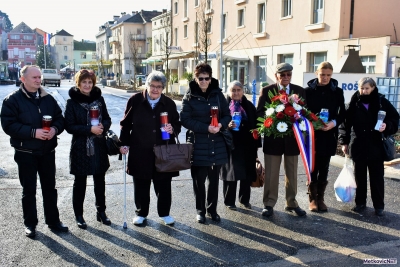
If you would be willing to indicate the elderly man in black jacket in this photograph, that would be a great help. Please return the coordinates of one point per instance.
(274, 148)
(21, 119)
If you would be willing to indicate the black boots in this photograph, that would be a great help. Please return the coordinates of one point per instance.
(320, 196)
(102, 217)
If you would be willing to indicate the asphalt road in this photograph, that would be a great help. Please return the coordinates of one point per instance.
(243, 237)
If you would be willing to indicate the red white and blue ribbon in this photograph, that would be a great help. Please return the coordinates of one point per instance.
(306, 145)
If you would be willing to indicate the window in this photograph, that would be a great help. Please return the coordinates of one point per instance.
(209, 2)
(185, 31)
(224, 26)
(65, 57)
(14, 37)
(64, 39)
(139, 49)
(155, 44)
(262, 69)
(209, 25)
(315, 59)
(176, 36)
(65, 48)
(196, 32)
(369, 63)
(285, 58)
(83, 55)
(240, 17)
(196, 3)
(128, 71)
(185, 8)
(28, 37)
(318, 11)
(176, 8)
(286, 8)
(261, 18)
(94, 56)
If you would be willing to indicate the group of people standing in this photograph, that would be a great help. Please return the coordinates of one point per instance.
(212, 160)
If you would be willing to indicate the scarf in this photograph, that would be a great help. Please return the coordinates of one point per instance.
(89, 140)
(153, 102)
(235, 106)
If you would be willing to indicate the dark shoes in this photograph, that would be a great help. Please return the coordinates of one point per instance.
(379, 212)
(214, 216)
(231, 207)
(30, 231)
(268, 211)
(299, 211)
(102, 217)
(200, 218)
(247, 205)
(80, 222)
(358, 208)
(59, 227)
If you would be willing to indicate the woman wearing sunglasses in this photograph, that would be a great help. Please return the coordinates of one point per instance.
(87, 119)
(210, 151)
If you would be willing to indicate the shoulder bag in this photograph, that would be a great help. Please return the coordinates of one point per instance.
(228, 137)
(173, 157)
(112, 143)
(260, 172)
(388, 142)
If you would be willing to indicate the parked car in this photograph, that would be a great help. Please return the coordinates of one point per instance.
(51, 76)
(143, 77)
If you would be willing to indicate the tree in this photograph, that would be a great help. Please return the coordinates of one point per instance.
(40, 56)
(118, 51)
(165, 45)
(203, 27)
(8, 25)
(134, 50)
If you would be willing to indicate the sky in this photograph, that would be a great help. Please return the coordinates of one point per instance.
(81, 19)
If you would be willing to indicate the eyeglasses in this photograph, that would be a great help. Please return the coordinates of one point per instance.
(285, 74)
(159, 87)
(204, 78)
(87, 71)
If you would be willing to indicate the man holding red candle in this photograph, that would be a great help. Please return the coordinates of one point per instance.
(23, 114)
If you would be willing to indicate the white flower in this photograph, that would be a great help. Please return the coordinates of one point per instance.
(282, 127)
(297, 107)
(269, 112)
(302, 126)
(279, 108)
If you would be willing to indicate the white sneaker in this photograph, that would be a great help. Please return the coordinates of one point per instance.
(138, 220)
(168, 220)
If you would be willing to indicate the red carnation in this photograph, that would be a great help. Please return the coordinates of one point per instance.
(275, 98)
(282, 92)
(268, 122)
(255, 134)
(280, 115)
(313, 117)
(290, 111)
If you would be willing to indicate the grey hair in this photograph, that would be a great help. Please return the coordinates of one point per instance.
(156, 76)
(233, 84)
(26, 67)
(365, 80)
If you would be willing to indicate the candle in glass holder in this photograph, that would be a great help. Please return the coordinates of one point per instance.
(46, 122)
(94, 115)
(214, 116)
(164, 122)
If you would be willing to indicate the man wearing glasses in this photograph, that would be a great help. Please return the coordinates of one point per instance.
(274, 148)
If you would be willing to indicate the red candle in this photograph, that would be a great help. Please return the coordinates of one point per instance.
(46, 122)
(214, 116)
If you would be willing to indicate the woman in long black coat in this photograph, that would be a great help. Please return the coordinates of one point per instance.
(323, 93)
(140, 132)
(242, 160)
(88, 155)
(364, 144)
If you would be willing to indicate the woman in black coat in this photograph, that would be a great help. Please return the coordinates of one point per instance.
(242, 159)
(323, 93)
(359, 138)
(210, 151)
(88, 155)
(140, 132)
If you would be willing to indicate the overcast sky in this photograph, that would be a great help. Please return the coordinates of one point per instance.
(79, 18)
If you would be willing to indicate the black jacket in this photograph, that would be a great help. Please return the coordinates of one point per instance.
(242, 159)
(357, 131)
(278, 146)
(76, 123)
(141, 131)
(21, 115)
(329, 97)
(209, 149)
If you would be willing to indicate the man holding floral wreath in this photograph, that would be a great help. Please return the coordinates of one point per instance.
(276, 146)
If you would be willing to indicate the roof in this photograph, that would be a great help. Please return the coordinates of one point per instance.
(84, 46)
(22, 27)
(63, 33)
(143, 16)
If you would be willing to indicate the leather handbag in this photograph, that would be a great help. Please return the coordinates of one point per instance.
(260, 172)
(173, 157)
(228, 137)
(112, 141)
(389, 149)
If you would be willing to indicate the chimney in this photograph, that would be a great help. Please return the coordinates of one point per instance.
(116, 17)
(123, 13)
(164, 11)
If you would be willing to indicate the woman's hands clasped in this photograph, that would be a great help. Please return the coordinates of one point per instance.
(214, 129)
(98, 129)
(168, 128)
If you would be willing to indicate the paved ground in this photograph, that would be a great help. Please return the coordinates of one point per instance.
(243, 238)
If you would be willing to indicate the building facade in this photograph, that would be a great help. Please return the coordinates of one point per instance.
(21, 46)
(62, 47)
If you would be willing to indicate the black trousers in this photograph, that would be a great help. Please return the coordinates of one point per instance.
(79, 192)
(29, 166)
(376, 182)
(162, 188)
(229, 190)
(321, 168)
(199, 175)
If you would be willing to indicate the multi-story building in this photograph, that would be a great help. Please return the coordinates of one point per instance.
(62, 47)
(84, 55)
(4, 66)
(21, 46)
(258, 34)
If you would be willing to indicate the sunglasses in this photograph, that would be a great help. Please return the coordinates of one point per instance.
(87, 71)
(204, 78)
(285, 74)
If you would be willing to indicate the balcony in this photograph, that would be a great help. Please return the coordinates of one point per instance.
(113, 39)
(138, 37)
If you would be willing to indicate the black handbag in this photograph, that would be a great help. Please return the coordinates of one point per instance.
(112, 143)
(389, 149)
(228, 137)
(173, 157)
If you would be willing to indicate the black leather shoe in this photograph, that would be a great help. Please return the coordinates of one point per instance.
(231, 207)
(247, 205)
(379, 212)
(214, 216)
(299, 211)
(268, 211)
(60, 227)
(30, 231)
(200, 218)
(358, 208)
(102, 217)
(80, 222)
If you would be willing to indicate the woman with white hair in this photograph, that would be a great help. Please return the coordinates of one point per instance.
(140, 132)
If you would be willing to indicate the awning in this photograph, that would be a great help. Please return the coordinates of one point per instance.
(235, 55)
(152, 59)
(188, 54)
(173, 64)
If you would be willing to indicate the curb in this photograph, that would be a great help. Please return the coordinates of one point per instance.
(338, 161)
